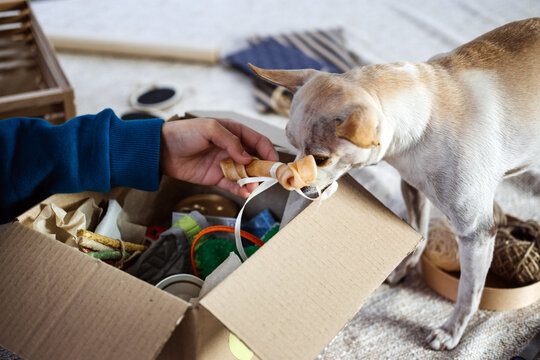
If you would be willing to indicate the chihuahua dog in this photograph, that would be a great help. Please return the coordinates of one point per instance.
(453, 127)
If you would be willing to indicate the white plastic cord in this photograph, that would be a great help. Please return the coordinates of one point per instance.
(265, 184)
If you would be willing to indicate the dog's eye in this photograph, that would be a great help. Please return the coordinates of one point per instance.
(338, 121)
(320, 160)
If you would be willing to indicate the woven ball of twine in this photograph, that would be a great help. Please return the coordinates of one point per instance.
(517, 251)
(442, 247)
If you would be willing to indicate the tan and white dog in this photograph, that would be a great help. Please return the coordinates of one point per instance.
(453, 127)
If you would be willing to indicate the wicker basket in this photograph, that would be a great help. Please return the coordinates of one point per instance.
(31, 80)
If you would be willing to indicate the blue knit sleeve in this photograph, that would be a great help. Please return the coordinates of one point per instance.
(90, 152)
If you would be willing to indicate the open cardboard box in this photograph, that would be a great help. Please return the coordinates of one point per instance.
(287, 301)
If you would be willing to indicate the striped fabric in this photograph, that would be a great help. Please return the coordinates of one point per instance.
(320, 50)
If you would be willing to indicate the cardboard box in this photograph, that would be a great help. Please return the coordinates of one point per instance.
(285, 302)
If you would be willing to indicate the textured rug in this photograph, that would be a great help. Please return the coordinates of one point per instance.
(394, 322)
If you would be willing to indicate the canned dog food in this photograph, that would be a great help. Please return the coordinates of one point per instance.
(184, 286)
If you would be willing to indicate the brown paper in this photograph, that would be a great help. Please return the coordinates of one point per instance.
(63, 225)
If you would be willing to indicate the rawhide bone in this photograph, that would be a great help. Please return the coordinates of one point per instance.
(291, 176)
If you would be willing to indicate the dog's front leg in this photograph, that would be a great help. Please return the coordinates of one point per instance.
(418, 210)
(476, 252)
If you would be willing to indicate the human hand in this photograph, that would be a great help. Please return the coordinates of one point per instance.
(192, 149)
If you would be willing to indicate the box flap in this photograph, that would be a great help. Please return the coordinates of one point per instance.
(274, 132)
(293, 296)
(57, 303)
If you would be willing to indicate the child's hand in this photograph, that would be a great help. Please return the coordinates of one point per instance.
(192, 149)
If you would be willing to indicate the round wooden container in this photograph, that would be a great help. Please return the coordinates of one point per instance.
(495, 296)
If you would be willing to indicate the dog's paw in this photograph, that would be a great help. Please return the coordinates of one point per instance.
(395, 277)
(441, 339)
(401, 271)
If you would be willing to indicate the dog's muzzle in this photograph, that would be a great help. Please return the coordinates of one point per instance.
(311, 191)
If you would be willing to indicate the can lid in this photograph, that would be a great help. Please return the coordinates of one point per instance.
(155, 97)
(184, 286)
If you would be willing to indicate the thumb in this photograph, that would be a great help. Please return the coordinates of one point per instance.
(229, 142)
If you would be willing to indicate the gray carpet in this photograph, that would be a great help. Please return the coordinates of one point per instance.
(395, 321)
(6, 355)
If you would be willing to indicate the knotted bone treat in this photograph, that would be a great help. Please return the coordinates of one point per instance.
(291, 176)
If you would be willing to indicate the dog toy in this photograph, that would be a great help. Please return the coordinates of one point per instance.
(109, 242)
(109, 255)
(169, 254)
(210, 254)
(291, 176)
(212, 229)
(259, 225)
(214, 251)
(114, 252)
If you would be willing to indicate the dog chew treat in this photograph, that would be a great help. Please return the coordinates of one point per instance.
(291, 176)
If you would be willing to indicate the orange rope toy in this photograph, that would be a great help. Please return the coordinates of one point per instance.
(219, 228)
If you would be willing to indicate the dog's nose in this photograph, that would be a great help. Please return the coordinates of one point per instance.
(310, 191)
(321, 160)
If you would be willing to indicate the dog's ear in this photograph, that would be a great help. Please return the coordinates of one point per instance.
(290, 79)
(360, 128)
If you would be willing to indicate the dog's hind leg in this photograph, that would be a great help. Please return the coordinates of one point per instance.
(418, 210)
(476, 253)
(527, 181)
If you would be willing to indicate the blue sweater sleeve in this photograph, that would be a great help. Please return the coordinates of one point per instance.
(90, 152)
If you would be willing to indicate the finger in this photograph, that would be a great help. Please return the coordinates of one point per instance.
(223, 138)
(250, 187)
(252, 139)
(233, 187)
